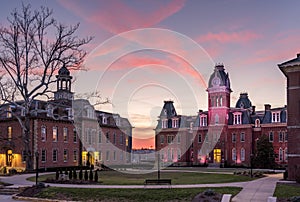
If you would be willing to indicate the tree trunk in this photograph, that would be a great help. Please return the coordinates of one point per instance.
(27, 144)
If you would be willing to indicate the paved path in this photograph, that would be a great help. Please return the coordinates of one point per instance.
(256, 190)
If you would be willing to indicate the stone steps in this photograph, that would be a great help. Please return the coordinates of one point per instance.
(9, 190)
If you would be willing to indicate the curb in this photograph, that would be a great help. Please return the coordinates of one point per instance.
(24, 198)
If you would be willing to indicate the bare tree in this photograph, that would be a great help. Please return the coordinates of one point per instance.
(32, 48)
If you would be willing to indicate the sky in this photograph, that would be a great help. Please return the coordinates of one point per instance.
(148, 51)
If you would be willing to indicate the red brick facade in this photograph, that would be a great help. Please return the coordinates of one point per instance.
(223, 134)
(291, 70)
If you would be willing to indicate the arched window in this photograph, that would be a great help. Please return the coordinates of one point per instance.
(221, 101)
(242, 154)
(285, 154)
(257, 123)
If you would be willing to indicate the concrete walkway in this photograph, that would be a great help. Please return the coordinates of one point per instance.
(256, 190)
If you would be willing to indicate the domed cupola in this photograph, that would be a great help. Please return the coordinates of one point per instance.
(63, 85)
(219, 77)
(243, 102)
(63, 71)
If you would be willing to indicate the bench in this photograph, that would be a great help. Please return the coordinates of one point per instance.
(157, 181)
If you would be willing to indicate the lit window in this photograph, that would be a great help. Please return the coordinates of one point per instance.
(65, 155)
(271, 137)
(54, 134)
(242, 154)
(43, 133)
(54, 155)
(237, 118)
(242, 137)
(43, 156)
(75, 155)
(9, 133)
(65, 133)
(275, 117)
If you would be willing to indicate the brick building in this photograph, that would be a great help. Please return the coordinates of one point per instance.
(106, 137)
(223, 134)
(54, 136)
(291, 69)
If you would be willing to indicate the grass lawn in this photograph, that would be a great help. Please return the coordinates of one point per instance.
(118, 178)
(287, 190)
(76, 194)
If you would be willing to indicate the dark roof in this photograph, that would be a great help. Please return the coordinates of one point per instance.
(220, 74)
(291, 62)
(243, 101)
(168, 110)
(63, 71)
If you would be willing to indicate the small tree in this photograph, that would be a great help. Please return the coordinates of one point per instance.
(70, 174)
(56, 175)
(74, 174)
(80, 174)
(86, 176)
(91, 175)
(96, 175)
(264, 154)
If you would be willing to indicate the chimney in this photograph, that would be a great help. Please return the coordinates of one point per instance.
(200, 111)
(253, 109)
(267, 107)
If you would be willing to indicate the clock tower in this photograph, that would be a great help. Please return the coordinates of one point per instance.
(218, 96)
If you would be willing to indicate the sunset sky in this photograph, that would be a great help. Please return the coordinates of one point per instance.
(148, 51)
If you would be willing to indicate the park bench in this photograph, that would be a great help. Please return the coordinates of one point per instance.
(157, 181)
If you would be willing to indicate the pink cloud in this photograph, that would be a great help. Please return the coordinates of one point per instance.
(234, 37)
(115, 16)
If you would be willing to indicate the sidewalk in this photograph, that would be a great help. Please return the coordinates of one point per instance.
(256, 190)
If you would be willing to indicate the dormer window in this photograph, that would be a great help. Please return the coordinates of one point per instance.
(203, 120)
(165, 112)
(164, 123)
(275, 117)
(257, 123)
(175, 123)
(104, 120)
(8, 113)
(237, 118)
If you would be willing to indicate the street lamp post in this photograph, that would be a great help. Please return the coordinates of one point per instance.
(36, 167)
(158, 166)
(251, 165)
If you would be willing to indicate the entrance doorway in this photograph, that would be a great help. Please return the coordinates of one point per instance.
(9, 157)
(217, 155)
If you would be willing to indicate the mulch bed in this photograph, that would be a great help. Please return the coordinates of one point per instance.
(208, 196)
(71, 181)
